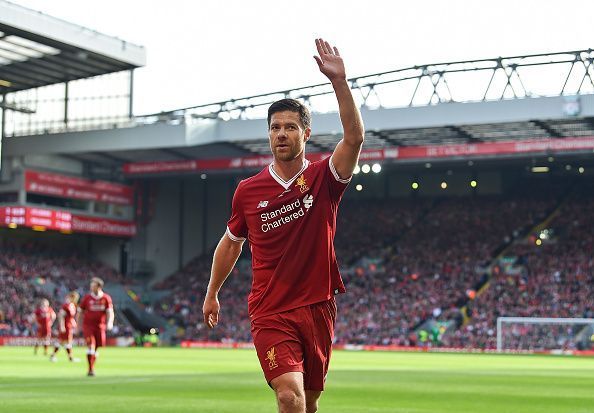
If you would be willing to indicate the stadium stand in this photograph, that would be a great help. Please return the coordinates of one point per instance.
(555, 278)
(417, 260)
(30, 271)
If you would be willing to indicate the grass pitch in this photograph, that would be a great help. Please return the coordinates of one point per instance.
(220, 381)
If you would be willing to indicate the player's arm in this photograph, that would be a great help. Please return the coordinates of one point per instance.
(110, 314)
(346, 153)
(53, 316)
(61, 318)
(79, 316)
(225, 257)
(110, 318)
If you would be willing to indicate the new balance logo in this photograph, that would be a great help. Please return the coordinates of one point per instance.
(263, 204)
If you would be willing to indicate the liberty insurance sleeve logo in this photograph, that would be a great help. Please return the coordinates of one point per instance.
(271, 357)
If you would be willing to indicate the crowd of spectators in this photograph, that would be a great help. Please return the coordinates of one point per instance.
(26, 269)
(403, 262)
(183, 307)
(553, 279)
(415, 259)
(429, 269)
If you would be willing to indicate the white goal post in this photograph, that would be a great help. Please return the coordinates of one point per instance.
(544, 333)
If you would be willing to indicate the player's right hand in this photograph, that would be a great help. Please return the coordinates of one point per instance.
(329, 61)
(211, 309)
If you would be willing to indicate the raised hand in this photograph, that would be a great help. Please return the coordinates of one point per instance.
(329, 61)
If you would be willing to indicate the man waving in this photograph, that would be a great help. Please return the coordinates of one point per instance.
(288, 214)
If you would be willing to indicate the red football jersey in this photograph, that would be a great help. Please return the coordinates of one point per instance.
(95, 309)
(44, 317)
(69, 312)
(290, 226)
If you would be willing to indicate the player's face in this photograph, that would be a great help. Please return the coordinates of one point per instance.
(287, 135)
(94, 287)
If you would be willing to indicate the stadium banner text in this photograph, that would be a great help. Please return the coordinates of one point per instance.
(17, 341)
(48, 219)
(63, 186)
(527, 146)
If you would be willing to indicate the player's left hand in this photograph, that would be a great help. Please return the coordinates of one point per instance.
(329, 61)
(109, 327)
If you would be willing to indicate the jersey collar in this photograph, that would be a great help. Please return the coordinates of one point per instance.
(281, 181)
(98, 295)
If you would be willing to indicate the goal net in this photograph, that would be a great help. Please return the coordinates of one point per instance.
(544, 334)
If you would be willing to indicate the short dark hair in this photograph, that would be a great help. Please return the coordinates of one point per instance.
(291, 105)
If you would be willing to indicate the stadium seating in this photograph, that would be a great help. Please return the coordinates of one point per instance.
(556, 279)
(415, 260)
(27, 269)
(428, 270)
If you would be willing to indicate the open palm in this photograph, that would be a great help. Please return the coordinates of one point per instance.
(329, 61)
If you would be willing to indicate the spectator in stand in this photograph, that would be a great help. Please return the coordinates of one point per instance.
(415, 260)
(26, 267)
(556, 279)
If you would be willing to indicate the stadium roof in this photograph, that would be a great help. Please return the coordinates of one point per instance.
(442, 124)
(452, 134)
(39, 50)
(375, 139)
(502, 109)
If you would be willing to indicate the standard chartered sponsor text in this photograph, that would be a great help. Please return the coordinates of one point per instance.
(276, 218)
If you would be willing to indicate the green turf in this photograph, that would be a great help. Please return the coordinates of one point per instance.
(220, 381)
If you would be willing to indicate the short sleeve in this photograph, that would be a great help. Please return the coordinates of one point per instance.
(237, 226)
(336, 183)
(108, 302)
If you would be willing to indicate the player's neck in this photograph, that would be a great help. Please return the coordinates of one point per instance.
(288, 169)
(98, 295)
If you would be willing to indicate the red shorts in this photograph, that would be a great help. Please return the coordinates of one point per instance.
(298, 340)
(94, 335)
(67, 335)
(43, 332)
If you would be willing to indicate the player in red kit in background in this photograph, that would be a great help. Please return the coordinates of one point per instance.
(67, 326)
(288, 214)
(45, 317)
(96, 310)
